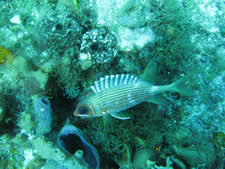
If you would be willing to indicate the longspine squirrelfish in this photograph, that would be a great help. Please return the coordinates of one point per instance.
(115, 93)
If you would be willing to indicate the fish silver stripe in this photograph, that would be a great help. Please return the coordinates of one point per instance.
(114, 92)
(107, 82)
(97, 86)
(122, 77)
(123, 104)
(125, 82)
(112, 79)
(117, 80)
(102, 83)
(121, 93)
(137, 94)
(93, 88)
(131, 79)
(135, 80)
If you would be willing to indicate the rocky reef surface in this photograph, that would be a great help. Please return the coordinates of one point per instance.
(52, 51)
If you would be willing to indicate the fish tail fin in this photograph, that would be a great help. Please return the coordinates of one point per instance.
(180, 86)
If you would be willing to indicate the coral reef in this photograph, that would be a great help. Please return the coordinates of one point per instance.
(58, 48)
(2, 107)
(5, 55)
(98, 46)
(47, 150)
(58, 35)
(127, 20)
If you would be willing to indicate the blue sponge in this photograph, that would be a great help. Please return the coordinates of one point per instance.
(43, 115)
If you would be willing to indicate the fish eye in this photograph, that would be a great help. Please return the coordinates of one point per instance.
(83, 110)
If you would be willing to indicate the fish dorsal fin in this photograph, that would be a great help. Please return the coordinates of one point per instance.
(150, 74)
(113, 81)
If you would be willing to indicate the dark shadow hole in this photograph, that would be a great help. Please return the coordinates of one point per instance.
(44, 100)
(59, 27)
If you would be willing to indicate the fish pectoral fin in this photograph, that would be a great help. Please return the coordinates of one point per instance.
(121, 115)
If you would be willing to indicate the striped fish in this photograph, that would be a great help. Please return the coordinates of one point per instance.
(115, 93)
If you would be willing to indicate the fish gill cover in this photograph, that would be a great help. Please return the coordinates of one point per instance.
(59, 48)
